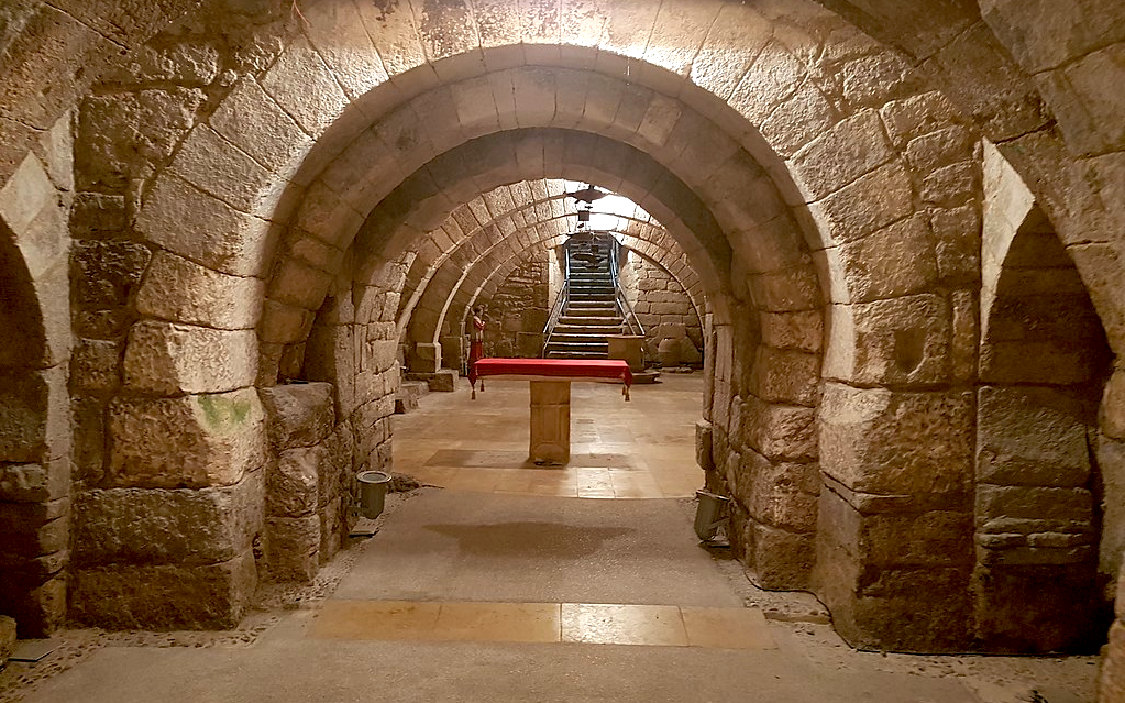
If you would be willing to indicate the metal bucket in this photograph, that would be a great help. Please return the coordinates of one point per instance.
(708, 508)
(373, 487)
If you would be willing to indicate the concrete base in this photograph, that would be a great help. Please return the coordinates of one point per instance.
(550, 422)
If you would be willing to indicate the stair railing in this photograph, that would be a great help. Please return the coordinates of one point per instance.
(561, 302)
(630, 323)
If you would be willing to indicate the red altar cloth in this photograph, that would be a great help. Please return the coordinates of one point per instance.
(594, 370)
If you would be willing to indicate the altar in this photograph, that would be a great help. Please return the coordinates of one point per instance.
(550, 381)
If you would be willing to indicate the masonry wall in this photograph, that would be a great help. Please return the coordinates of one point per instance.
(664, 309)
(518, 310)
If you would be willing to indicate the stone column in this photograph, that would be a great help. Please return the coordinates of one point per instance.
(550, 422)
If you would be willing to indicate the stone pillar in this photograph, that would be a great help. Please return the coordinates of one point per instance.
(550, 422)
(894, 536)
(1111, 682)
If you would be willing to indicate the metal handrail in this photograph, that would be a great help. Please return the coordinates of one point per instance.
(560, 303)
(629, 317)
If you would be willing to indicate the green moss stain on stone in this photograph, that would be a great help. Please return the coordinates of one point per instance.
(224, 411)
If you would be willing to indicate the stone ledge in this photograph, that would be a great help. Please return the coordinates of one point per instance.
(164, 597)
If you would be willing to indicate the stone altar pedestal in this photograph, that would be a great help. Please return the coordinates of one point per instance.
(550, 422)
(628, 348)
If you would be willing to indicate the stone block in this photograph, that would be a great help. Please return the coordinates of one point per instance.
(164, 597)
(785, 376)
(704, 433)
(276, 139)
(96, 365)
(166, 358)
(33, 415)
(779, 431)
(870, 203)
(780, 494)
(33, 483)
(292, 547)
(204, 229)
(181, 290)
(444, 381)
(246, 185)
(7, 638)
(840, 155)
(160, 526)
(880, 441)
(894, 261)
(894, 341)
(917, 115)
(106, 273)
(97, 216)
(1016, 608)
(195, 440)
(1033, 436)
(298, 414)
(1000, 508)
(292, 484)
(781, 560)
(801, 330)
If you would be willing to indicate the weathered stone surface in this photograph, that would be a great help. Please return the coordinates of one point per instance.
(781, 560)
(781, 494)
(156, 119)
(7, 638)
(299, 414)
(1032, 436)
(97, 216)
(292, 547)
(195, 440)
(182, 291)
(158, 526)
(292, 486)
(444, 381)
(894, 261)
(96, 365)
(840, 155)
(779, 431)
(106, 273)
(898, 340)
(785, 376)
(801, 330)
(162, 597)
(166, 358)
(923, 608)
(704, 445)
(28, 483)
(204, 229)
(33, 415)
(871, 202)
(881, 441)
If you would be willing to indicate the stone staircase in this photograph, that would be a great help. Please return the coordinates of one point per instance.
(591, 312)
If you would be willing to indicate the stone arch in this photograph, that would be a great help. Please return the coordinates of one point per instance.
(35, 434)
(1038, 486)
(480, 247)
(486, 275)
(679, 123)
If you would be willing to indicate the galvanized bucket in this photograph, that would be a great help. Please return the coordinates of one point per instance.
(708, 508)
(373, 487)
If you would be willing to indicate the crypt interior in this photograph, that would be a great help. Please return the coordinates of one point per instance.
(862, 257)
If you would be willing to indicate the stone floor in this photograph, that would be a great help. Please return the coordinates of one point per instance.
(638, 449)
(486, 590)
